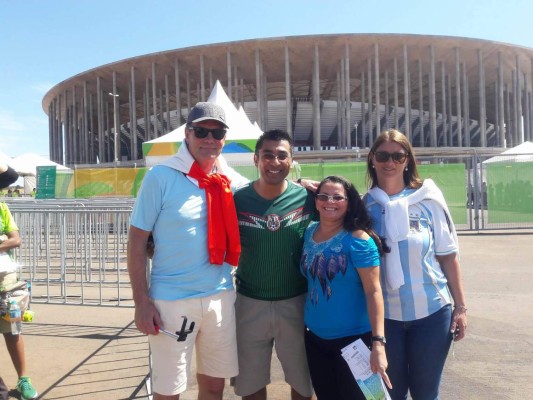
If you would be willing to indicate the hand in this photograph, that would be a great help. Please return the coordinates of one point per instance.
(309, 184)
(147, 317)
(459, 323)
(378, 362)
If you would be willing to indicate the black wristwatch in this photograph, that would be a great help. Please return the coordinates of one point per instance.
(379, 339)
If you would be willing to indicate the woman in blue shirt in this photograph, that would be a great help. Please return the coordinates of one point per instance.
(344, 301)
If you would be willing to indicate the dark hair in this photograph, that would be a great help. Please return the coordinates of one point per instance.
(357, 216)
(411, 179)
(275, 135)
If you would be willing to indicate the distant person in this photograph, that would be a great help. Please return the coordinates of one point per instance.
(273, 214)
(10, 239)
(421, 273)
(344, 300)
(186, 203)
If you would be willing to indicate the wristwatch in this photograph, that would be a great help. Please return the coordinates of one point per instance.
(379, 339)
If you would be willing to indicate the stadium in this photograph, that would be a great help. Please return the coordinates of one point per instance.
(330, 92)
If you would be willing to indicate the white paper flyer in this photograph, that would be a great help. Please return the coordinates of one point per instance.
(357, 355)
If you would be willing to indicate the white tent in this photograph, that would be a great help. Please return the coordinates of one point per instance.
(241, 134)
(521, 153)
(26, 166)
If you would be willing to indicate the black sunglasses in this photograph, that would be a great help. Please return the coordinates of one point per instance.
(383, 156)
(201, 132)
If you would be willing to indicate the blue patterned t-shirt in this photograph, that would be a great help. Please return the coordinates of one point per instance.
(336, 304)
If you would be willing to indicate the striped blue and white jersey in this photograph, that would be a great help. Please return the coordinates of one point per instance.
(425, 290)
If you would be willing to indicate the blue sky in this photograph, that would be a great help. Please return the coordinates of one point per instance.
(45, 42)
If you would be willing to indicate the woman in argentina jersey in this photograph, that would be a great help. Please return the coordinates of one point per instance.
(421, 275)
(344, 301)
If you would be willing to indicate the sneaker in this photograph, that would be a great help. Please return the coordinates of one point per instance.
(26, 389)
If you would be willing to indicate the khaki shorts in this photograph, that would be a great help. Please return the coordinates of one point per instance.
(261, 325)
(213, 339)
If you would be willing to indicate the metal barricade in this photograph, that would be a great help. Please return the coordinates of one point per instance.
(74, 252)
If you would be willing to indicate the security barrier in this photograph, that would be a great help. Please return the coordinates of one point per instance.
(74, 252)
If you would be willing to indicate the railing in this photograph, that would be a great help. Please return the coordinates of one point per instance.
(74, 252)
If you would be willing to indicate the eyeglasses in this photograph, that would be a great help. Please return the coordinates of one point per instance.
(383, 156)
(333, 198)
(272, 157)
(201, 132)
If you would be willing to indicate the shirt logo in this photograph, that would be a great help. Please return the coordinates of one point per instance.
(273, 223)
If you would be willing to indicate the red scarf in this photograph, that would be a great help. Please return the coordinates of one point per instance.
(223, 240)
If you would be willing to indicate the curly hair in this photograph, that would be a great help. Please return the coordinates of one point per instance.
(357, 216)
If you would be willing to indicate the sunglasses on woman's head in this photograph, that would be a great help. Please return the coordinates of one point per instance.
(201, 132)
(383, 156)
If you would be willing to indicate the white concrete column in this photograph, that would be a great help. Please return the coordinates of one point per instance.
(501, 114)
(133, 115)
(432, 99)
(228, 67)
(482, 100)
(316, 99)
(154, 102)
(116, 120)
(407, 93)
(178, 90)
(363, 129)
(347, 100)
(377, 88)
(202, 78)
(288, 95)
(458, 97)
(396, 116)
(370, 105)
(444, 111)
(421, 119)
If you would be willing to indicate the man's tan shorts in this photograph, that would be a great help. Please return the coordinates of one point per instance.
(213, 339)
(261, 325)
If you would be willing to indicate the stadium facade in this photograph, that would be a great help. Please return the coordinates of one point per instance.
(328, 91)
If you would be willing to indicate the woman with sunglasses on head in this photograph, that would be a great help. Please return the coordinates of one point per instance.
(421, 272)
(344, 302)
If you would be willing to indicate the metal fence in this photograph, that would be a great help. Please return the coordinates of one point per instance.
(74, 251)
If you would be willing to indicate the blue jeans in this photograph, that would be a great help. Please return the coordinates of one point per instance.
(416, 352)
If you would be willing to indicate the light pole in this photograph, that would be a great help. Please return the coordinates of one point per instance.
(355, 126)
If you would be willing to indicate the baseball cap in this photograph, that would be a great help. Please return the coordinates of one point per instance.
(204, 111)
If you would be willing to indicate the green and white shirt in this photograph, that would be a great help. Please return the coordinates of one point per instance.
(271, 239)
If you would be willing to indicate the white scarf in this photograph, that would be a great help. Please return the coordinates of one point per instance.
(182, 161)
(396, 222)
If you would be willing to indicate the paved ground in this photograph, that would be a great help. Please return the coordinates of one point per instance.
(76, 352)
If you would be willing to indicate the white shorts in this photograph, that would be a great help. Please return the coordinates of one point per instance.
(213, 338)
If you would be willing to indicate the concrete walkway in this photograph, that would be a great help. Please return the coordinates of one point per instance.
(76, 352)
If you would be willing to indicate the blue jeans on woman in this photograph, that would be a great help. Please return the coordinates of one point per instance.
(416, 353)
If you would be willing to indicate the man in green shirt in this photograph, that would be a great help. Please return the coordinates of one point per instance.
(273, 214)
